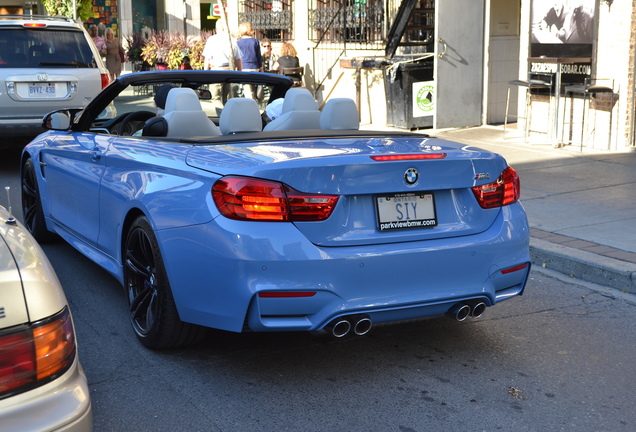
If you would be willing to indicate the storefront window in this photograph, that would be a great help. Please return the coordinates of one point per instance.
(271, 19)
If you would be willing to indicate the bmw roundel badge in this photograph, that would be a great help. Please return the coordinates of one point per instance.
(411, 176)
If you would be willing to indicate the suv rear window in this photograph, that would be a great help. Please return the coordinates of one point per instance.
(22, 47)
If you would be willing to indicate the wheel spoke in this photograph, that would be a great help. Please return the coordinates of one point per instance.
(141, 281)
(151, 310)
(138, 269)
(146, 249)
(30, 215)
(140, 308)
(137, 259)
(27, 187)
(29, 198)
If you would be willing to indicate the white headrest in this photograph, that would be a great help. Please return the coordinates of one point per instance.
(299, 99)
(240, 115)
(182, 99)
(340, 114)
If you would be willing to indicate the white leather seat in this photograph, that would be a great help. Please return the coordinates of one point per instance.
(185, 117)
(240, 115)
(300, 111)
(340, 114)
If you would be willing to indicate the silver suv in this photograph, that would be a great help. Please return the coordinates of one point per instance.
(46, 63)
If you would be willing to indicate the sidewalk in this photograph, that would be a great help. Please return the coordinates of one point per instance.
(581, 206)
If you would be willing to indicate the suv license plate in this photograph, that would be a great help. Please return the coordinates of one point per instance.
(40, 90)
(403, 211)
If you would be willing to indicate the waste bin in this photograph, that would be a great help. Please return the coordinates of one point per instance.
(401, 95)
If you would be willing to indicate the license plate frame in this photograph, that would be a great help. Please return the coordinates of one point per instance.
(42, 90)
(405, 211)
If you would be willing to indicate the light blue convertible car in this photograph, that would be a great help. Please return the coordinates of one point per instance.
(215, 211)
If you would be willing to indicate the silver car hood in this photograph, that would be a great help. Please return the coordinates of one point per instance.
(29, 288)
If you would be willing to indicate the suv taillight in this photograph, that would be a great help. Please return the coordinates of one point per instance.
(36, 354)
(105, 80)
(502, 192)
(245, 198)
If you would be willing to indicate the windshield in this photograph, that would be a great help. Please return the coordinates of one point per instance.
(21, 47)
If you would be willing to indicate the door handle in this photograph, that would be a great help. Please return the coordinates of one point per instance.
(441, 41)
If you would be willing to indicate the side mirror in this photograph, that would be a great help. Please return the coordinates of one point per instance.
(204, 94)
(58, 120)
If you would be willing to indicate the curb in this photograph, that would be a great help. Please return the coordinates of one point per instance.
(583, 265)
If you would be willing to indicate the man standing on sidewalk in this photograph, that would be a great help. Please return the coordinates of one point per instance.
(221, 52)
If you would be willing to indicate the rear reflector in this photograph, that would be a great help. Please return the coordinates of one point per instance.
(515, 268)
(405, 157)
(287, 294)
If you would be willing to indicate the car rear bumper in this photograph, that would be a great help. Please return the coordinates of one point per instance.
(61, 405)
(218, 276)
(20, 127)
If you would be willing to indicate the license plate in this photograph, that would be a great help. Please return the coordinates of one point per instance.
(404, 211)
(41, 90)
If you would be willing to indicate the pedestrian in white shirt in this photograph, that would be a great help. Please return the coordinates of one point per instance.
(221, 52)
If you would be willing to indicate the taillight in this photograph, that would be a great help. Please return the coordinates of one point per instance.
(244, 198)
(105, 80)
(36, 354)
(502, 192)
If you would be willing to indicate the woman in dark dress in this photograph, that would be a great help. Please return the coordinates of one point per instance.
(288, 59)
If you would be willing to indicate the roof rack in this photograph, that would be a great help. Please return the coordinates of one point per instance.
(37, 17)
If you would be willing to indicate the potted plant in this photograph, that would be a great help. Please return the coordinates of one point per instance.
(135, 43)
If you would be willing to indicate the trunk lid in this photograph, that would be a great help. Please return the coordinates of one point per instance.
(346, 167)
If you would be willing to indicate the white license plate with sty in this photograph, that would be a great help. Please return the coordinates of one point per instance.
(404, 211)
(41, 90)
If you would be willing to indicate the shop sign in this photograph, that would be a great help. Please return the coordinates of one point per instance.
(424, 98)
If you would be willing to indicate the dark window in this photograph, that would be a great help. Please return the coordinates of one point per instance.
(33, 48)
(271, 19)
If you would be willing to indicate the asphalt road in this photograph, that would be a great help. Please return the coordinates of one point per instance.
(560, 358)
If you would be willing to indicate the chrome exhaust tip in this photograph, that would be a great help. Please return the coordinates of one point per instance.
(362, 326)
(339, 328)
(460, 311)
(478, 310)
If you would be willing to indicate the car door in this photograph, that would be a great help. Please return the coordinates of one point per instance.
(73, 168)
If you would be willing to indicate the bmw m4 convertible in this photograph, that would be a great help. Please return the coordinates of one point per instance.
(274, 213)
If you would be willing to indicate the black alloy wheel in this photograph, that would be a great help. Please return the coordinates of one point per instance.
(152, 312)
(32, 213)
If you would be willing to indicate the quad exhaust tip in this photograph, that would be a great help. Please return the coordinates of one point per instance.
(360, 325)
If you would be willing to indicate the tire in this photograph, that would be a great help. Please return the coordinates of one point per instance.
(153, 313)
(32, 213)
